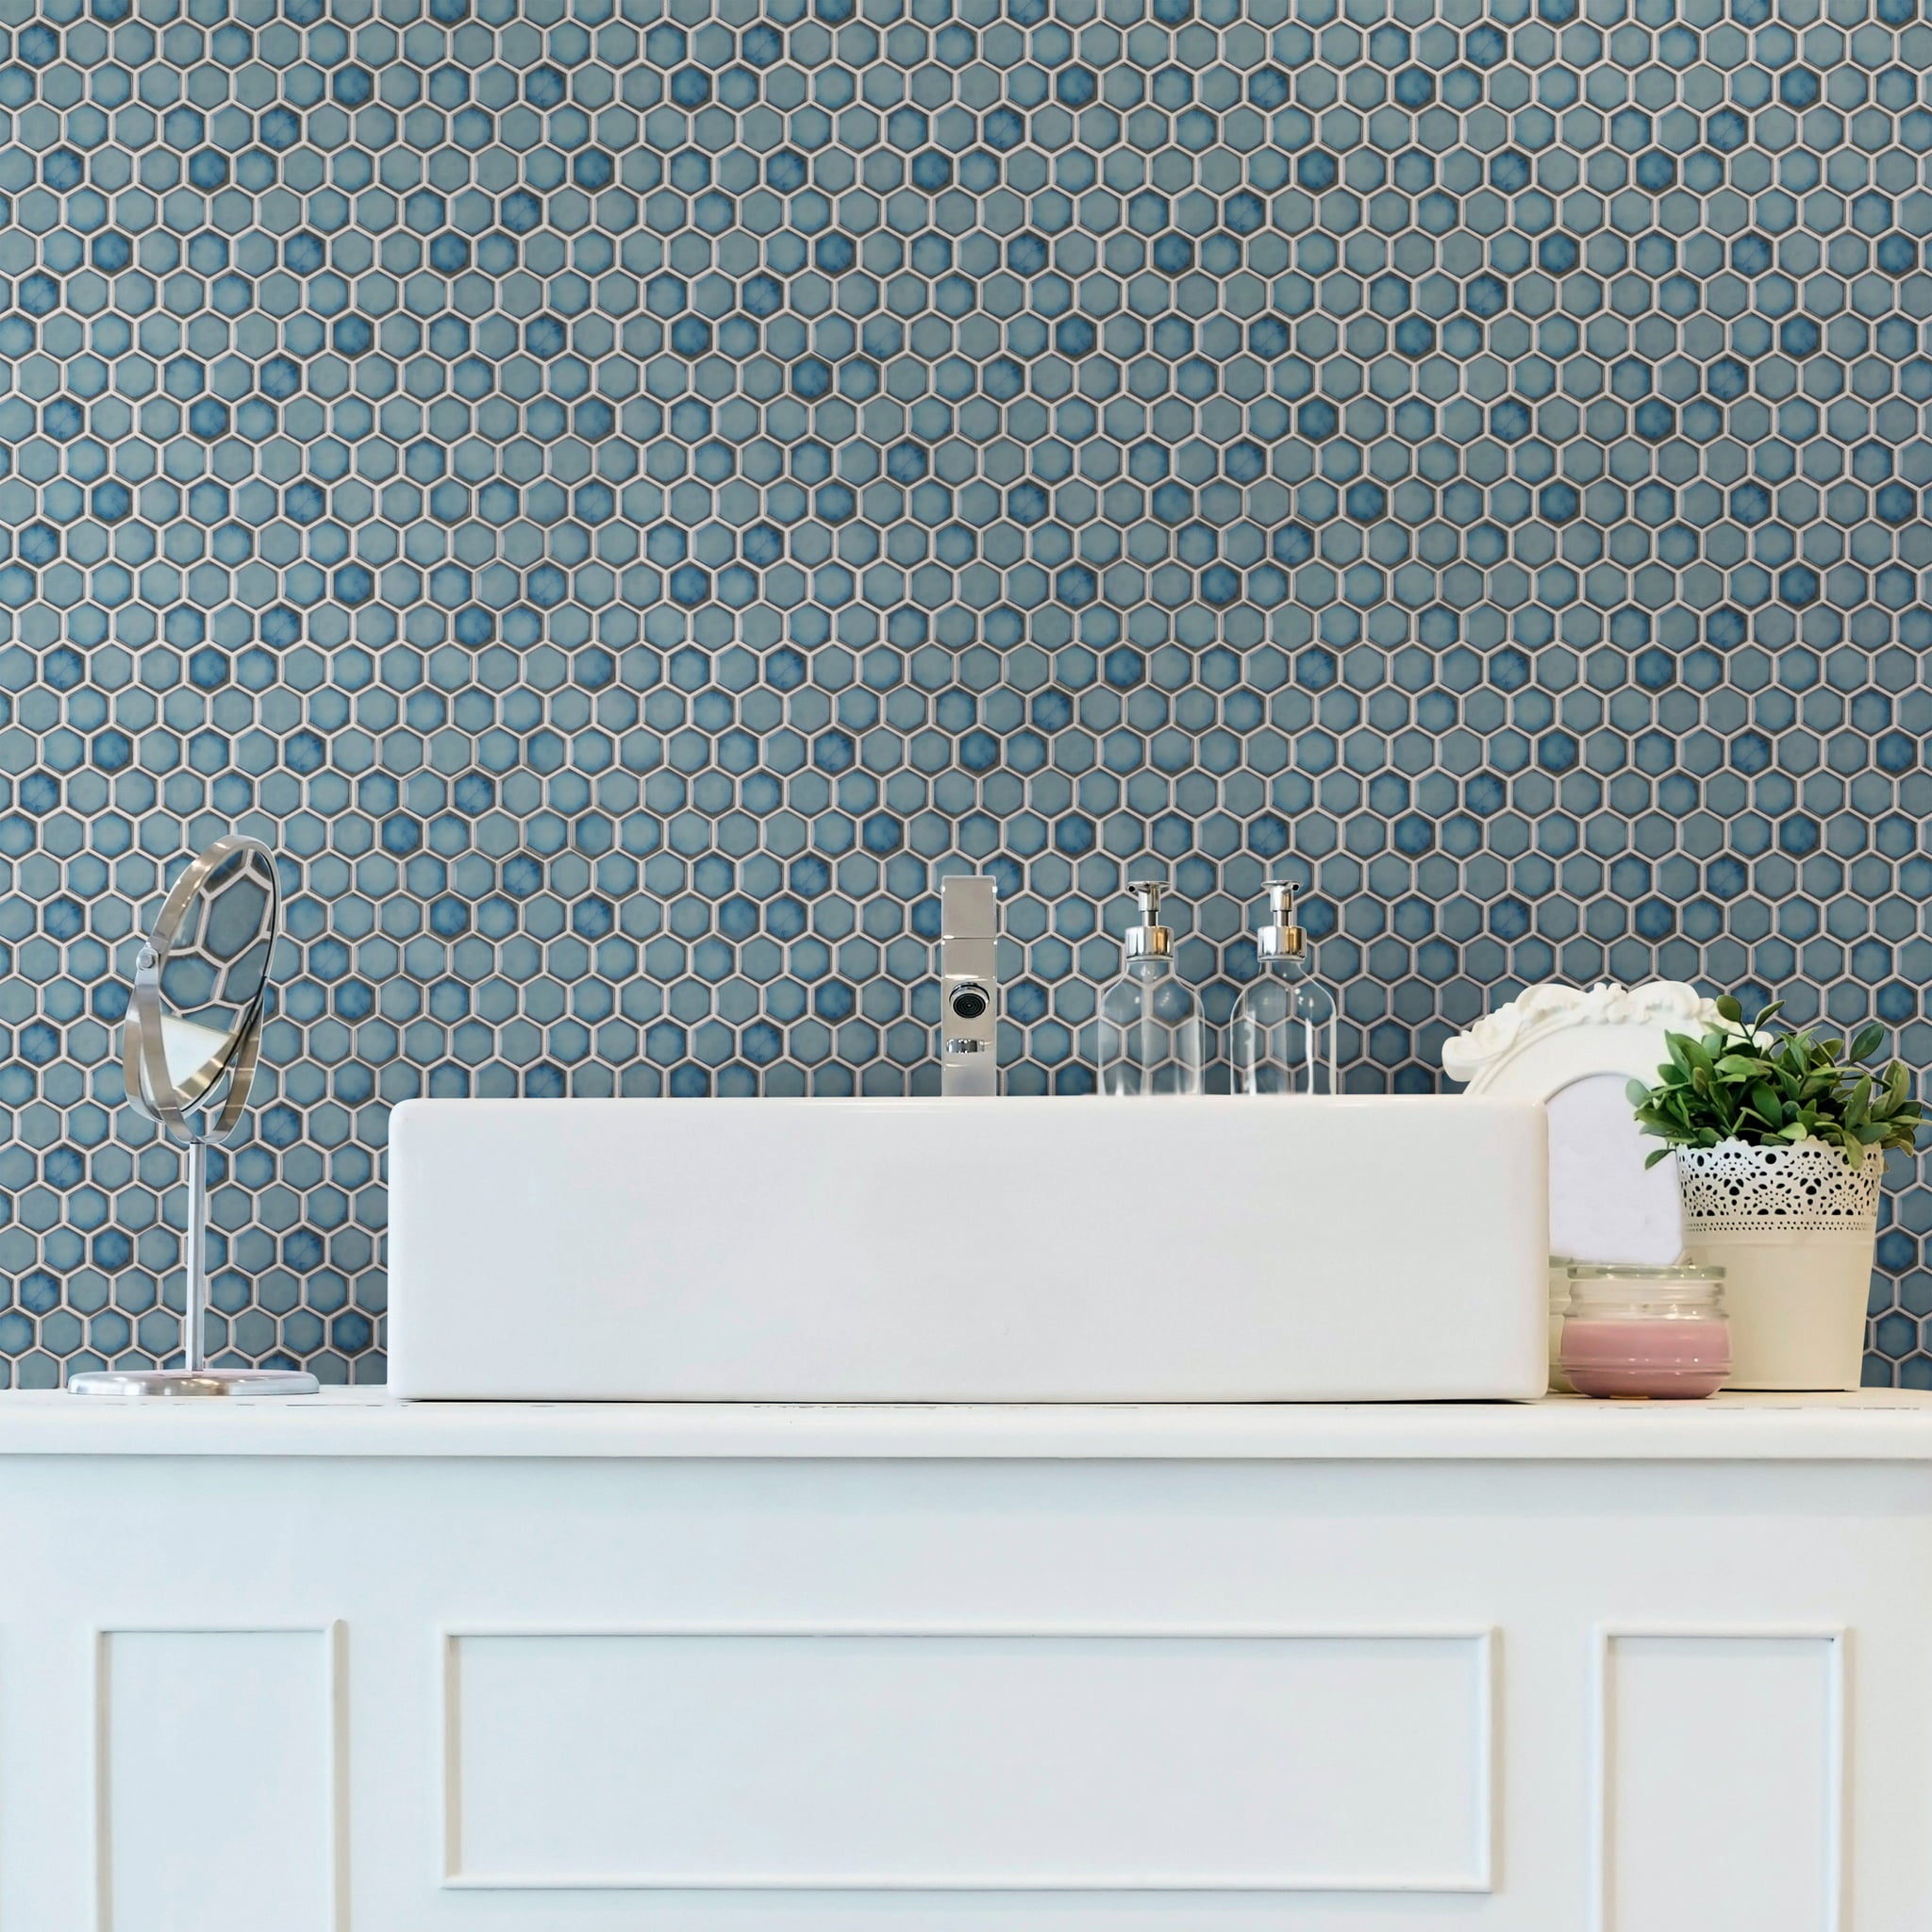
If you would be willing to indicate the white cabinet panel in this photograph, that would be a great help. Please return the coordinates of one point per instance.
(1722, 1781)
(217, 1781)
(969, 1761)
(909, 1671)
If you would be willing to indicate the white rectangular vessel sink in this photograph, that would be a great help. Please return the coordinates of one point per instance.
(1015, 1250)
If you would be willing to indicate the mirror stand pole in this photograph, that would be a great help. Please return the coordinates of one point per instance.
(194, 1377)
(194, 1247)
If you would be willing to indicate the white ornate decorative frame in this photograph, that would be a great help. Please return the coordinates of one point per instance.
(1551, 1036)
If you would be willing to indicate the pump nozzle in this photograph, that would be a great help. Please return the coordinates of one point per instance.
(1281, 938)
(1149, 938)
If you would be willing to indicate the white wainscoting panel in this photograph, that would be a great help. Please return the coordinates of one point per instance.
(217, 1783)
(1722, 1765)
(970, 1760)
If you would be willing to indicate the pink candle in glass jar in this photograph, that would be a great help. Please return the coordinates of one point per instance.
(1646, 1332)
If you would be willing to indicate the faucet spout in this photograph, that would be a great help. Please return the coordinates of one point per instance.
(969, 988)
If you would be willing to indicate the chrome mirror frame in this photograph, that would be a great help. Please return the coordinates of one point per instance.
(200, 1104)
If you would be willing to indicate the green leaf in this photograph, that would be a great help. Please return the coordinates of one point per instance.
(1785, 1086)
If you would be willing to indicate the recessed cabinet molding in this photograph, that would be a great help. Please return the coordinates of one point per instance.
(219, 1776)
(970, 1758)
(1554, 1667)
(1720, 1776)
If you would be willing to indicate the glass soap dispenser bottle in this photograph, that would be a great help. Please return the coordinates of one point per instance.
(1151, 1036)
(1283, 1021)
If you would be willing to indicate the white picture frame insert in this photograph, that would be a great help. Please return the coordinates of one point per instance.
(1575, 1049)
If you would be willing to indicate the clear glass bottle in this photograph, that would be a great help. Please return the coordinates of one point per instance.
(1151, 1038)
(1283, 1037)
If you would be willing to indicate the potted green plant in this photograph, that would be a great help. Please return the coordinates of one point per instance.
(1779, 1139)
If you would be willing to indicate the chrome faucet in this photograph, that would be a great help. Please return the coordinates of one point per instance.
(969, 1060)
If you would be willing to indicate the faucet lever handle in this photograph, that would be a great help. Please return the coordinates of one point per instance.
(967, 908)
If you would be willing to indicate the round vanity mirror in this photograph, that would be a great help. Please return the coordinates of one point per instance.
(187, 1051)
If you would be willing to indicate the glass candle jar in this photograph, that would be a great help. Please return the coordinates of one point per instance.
(1560, 1310)
(1646, 1331)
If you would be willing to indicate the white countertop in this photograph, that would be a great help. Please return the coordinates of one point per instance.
(1873, 1425)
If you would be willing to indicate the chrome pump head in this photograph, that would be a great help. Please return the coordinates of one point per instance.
(1149, 938)
(1282, 938)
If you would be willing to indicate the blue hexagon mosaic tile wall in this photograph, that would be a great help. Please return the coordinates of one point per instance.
(624, 495)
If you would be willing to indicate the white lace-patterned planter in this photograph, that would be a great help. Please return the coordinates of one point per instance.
(1792, 1226)
(1797, 1187)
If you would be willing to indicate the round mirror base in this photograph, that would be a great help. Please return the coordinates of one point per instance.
(193, 1383)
